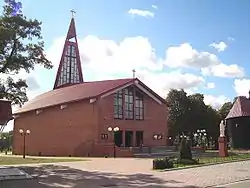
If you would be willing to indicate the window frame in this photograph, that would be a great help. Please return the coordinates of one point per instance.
(129, 103)
(118, 108)
(139, 105)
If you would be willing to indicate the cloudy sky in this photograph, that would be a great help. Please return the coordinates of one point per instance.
(200, 46)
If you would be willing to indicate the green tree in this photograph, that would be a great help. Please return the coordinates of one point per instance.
(212, 121)
(224, 110)
(197, 113)
(21, 48)
(178, 109)
(189, 113)
(6, 140)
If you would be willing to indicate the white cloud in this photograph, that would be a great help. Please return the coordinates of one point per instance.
(106, 59)
(223, 70)
(210, 85)
(154, 6)
(215, 101)
(143, 13)
(242, 87)
(185, 56)
(220, 47)
(163, 82)
(231, 38)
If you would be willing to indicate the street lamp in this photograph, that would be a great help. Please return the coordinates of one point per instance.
(24, 133)
(116, 129)
(200, 136)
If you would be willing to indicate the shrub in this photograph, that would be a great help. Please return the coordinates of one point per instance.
(185, 150)
(187, 161)
(162, 163)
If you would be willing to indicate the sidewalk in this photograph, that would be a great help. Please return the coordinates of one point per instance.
(132, 173)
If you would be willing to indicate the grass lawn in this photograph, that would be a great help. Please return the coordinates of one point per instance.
(233, 157)
(14, 160)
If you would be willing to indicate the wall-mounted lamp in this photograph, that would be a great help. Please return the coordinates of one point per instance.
(63, 106)
(104, 136)
(38, 111)
(157, 137)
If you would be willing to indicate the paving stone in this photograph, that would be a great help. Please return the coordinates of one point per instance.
(12, 174)
(133, 173)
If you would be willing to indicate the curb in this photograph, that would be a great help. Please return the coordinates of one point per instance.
(197, 166)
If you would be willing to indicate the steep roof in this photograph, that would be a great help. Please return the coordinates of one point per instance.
(241, 108)
(69, 71)
(78, 92)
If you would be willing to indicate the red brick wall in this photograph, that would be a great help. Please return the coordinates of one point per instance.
(70, 131)
(76, 129)
(155, 121)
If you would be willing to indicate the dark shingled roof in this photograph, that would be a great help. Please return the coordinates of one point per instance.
(241, 108)
(78, 92)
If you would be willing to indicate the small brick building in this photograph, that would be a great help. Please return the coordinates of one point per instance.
(5, 113)
(73, 118)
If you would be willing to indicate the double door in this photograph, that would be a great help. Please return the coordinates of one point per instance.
(129, 138)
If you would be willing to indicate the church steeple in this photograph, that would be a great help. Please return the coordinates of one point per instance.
(69, 71)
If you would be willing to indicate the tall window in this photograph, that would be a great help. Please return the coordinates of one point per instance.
(69, 71)
(129, 103)
(139, 106)
(118, 105)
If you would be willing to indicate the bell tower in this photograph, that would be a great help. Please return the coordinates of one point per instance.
(69, 71)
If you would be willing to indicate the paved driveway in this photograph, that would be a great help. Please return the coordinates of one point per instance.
(121, 173)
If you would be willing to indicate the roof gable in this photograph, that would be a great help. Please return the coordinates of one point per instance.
(241, 108)
(140, 86)
(86, 90)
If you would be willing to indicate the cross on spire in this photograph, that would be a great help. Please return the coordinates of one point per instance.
(73, 12)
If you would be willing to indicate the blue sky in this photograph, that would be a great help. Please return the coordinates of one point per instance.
(158, 26)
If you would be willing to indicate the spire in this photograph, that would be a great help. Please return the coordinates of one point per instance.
(69, 71)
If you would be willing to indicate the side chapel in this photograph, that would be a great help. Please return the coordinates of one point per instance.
(76, 117)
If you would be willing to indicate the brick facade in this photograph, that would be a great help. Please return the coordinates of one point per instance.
(76, 130)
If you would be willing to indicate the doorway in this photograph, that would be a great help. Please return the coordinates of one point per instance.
(128, 138)
(139, 138)
(118, 138)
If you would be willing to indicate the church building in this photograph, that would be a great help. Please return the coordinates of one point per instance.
(79, 118)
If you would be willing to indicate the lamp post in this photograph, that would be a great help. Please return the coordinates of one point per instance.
(116, 129)
(24, 134)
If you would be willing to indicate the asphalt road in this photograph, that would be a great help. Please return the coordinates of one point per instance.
(242, 184)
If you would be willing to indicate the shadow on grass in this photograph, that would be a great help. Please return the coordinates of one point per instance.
(62, 176)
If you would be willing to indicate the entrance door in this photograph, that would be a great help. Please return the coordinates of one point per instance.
(139, 138)
(128, 138)
(118, 138)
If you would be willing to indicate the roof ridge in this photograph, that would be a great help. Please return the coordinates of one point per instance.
(73, 93)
